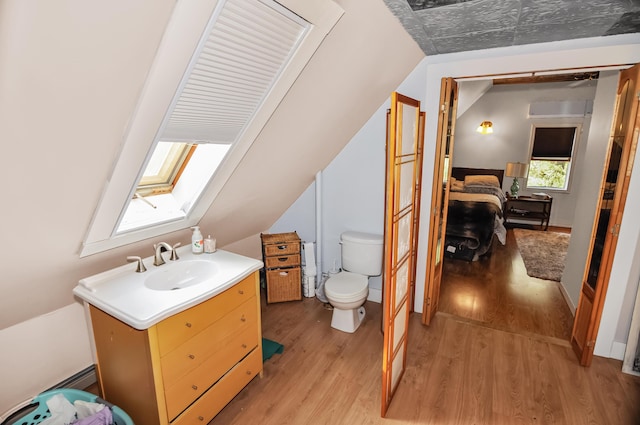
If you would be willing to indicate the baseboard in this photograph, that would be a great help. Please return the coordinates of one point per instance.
(375, 295)
(80, 381)
(617, 350)
(565, 295)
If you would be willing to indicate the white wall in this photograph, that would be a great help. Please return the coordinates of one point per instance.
(590, 176)
(507, 106)
(352, 188)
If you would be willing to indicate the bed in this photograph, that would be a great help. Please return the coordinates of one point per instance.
(474, 217)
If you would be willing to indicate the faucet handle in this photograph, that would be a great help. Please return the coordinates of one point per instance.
(140, 267)
(174, 253)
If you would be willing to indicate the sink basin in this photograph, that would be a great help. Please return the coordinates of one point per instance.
(180, 275)
(143, 299)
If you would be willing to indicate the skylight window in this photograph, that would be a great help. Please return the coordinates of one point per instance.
(164, 168)
(191, 128)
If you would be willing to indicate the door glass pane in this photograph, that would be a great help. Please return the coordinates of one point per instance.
(404, 235)
(406, 184)
(409, 128)
(402, 283)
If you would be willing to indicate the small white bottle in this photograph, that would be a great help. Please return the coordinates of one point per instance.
(209, 245)
(197, 243)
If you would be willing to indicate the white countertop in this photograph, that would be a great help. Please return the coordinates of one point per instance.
(121, 291)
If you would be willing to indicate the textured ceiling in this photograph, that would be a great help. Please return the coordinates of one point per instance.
(449, 26)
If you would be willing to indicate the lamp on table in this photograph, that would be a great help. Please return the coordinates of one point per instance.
(516, 170)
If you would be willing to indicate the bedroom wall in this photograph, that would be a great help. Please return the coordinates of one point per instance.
(507, 106)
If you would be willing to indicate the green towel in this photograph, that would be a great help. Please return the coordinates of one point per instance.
(269, 348)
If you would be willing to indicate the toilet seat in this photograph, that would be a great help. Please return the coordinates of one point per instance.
(347, 287)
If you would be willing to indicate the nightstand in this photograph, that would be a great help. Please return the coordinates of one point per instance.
(528, 208)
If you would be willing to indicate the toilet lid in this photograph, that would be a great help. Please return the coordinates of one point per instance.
(347, 285)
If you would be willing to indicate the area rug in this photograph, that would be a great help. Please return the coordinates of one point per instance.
(543, 253)
(269, 348)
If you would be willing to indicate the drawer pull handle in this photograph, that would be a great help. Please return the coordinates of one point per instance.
(284, 273)
(195, 387)
(191, 356)
(200, 418)
(188, 324)
(248, 372)
(282, 259)
(244, 345)
(281, 247)
(240, 291)
(243, 319)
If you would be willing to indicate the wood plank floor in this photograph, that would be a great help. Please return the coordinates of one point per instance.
(497, 292)
(457, 373)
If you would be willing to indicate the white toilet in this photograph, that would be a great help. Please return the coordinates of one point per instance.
(348, 290)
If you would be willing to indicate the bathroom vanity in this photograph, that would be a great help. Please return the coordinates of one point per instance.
(185, 367)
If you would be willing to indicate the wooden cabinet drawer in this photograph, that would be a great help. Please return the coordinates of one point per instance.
(285, 248)
(198, 349)
(214, 400)
(184, 390)
(282, 261)
(183, 326)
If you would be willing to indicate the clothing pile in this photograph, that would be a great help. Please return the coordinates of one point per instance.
(78, 413)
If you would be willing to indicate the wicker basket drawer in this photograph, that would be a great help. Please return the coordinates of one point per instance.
(284, 285)
(282, 249)
(282, 261)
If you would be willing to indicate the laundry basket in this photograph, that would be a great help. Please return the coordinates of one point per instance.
(41, 411)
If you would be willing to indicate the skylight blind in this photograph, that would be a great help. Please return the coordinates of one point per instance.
(246, 48)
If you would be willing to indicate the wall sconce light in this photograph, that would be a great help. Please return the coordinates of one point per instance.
(485, 127)
(515, 170)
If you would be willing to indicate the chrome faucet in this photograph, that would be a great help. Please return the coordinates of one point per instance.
(140, 268)
(159, 249)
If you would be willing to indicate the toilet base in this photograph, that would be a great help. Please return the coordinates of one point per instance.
(347, 320)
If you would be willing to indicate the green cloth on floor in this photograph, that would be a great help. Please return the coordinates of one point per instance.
(269, 348)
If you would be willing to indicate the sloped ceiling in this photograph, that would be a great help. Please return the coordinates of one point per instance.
(70, 78)
(449, 26)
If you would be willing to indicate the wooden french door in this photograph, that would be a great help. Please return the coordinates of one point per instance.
(604, 235)
(440, 196)
(403, 159)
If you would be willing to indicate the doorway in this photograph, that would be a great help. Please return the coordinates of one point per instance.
(499, 289)
(468, 300)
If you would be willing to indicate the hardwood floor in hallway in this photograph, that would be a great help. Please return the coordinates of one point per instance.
(497, 292)
(457, 373)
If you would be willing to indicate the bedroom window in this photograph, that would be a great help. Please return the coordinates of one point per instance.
(551, 154)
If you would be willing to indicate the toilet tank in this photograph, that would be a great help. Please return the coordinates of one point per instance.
(362, 253)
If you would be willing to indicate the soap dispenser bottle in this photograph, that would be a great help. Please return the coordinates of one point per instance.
(197, 243)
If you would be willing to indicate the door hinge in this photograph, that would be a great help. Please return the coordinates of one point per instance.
(590, 344)
(427, 301)
(443, 108)
(615, 229)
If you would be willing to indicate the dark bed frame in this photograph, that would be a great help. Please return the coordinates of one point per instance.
(460, 172)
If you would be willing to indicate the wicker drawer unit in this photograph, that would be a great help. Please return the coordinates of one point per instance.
(283, 273)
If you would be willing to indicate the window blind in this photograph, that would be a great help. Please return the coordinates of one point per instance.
(247, 46)
(553, 143)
